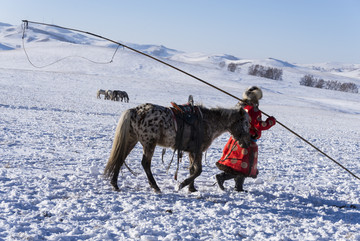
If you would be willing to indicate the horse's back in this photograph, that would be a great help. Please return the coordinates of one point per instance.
(154, 123)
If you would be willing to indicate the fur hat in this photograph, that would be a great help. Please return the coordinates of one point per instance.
(253, 94)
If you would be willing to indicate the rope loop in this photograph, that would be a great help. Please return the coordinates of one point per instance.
(26, 27)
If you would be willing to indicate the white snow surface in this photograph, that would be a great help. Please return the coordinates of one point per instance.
(56, 137)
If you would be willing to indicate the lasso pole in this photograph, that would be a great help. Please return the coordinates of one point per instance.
(26, 22)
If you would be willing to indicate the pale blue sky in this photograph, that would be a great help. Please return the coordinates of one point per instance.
(298, 31)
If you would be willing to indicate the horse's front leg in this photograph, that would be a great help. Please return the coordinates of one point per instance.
(146, 163)
(195, 171)
(192, 170)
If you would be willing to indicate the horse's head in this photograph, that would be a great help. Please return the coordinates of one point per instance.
(239, 127)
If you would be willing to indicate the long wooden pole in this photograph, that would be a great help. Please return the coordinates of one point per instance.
(26, 22)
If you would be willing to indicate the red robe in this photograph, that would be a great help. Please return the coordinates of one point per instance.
(238, 160)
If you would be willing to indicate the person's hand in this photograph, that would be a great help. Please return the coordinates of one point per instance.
(271, 120)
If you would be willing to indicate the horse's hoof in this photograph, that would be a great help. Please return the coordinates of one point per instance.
(181, 186)
(192, 189)
(241, 190)
(116, 189)
(157, 191)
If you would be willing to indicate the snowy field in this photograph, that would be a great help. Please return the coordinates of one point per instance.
(56, 137)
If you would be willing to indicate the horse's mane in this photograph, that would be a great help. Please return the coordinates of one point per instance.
(225, 112)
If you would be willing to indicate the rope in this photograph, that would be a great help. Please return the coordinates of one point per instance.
(26, 22)
(61, 59)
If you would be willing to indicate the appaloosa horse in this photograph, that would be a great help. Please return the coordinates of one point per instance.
(153, 125)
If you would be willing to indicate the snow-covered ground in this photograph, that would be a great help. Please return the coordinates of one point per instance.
(56, 136)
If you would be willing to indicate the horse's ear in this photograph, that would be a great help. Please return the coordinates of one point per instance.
(242, 111)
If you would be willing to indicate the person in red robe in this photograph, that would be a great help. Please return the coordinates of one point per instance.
(239, 162)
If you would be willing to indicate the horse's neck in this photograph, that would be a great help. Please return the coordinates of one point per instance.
(217, 122)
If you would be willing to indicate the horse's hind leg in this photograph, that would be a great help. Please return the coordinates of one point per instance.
(195, 171)
(146, 163)
(115, 176)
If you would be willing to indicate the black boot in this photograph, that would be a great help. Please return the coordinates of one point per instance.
(220, 181)
(222, 177)
(239, 182)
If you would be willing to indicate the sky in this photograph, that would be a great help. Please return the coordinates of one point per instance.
(297, 31)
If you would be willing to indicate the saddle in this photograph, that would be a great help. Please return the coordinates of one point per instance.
(189, 117)
(187, 112)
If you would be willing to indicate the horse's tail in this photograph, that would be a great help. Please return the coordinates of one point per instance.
(120, 148)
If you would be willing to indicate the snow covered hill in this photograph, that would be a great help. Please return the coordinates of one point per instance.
(56, 136)
(349, 70)
(10, 38)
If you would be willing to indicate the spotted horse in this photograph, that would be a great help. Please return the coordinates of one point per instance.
(153, 125)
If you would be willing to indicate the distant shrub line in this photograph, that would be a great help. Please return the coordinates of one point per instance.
(266, 72)
(258, 70)
(307, 80)
(311, 81)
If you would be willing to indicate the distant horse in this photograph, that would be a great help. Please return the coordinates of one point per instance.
(109, 94)
(101, 92)
(119, 95)
(124, 96)
(153, 125)
(115, 95)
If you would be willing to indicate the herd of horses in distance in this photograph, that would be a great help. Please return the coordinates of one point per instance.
(115, 95)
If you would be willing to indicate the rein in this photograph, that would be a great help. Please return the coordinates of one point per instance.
(26, 23)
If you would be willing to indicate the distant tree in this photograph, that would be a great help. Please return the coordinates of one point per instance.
(332, 85)
(232, 67)
(349, 87)
(252, 70)
(269, 73)
(307, 80)
(320, 83)
(278, 74)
